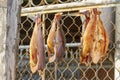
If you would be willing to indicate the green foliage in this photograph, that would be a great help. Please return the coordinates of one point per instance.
(49, 0)
(25, 1)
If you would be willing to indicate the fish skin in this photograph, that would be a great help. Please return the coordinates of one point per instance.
(33, 50)
(59, 42)
(40, 50)
(102, 41)
(56, 40)
(37, 58)
(51, 37)
(95, 40)
(88, 38)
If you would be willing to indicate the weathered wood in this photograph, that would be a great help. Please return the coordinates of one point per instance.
(8, 38)
(3, 3)
(2, 41)
(117, 50)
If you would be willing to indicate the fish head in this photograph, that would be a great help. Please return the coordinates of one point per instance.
(38, 18)
(58, 16)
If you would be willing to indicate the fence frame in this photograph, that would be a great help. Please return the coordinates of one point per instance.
(72, 7)
(117, 50)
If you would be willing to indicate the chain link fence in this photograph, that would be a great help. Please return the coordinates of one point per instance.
(70, 67)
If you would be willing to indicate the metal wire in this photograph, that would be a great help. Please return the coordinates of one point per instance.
(67, 45)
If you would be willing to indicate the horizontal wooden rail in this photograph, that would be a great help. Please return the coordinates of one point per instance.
(65, 7)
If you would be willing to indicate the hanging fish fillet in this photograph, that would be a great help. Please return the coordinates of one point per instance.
(56, 40)
(40, 50)
(86, 21)
(59, 48)
(88, 39)
(33, 49)
(101, 41)
(95, 40)
(37, 58)
(51, 38)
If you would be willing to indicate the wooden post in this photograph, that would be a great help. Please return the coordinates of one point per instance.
(8, 38)
(117, 50)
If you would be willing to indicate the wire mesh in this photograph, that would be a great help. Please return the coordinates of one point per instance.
(70, 67)
(32, 3)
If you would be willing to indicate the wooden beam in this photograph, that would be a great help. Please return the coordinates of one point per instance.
(65, 7)
(8, 38)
